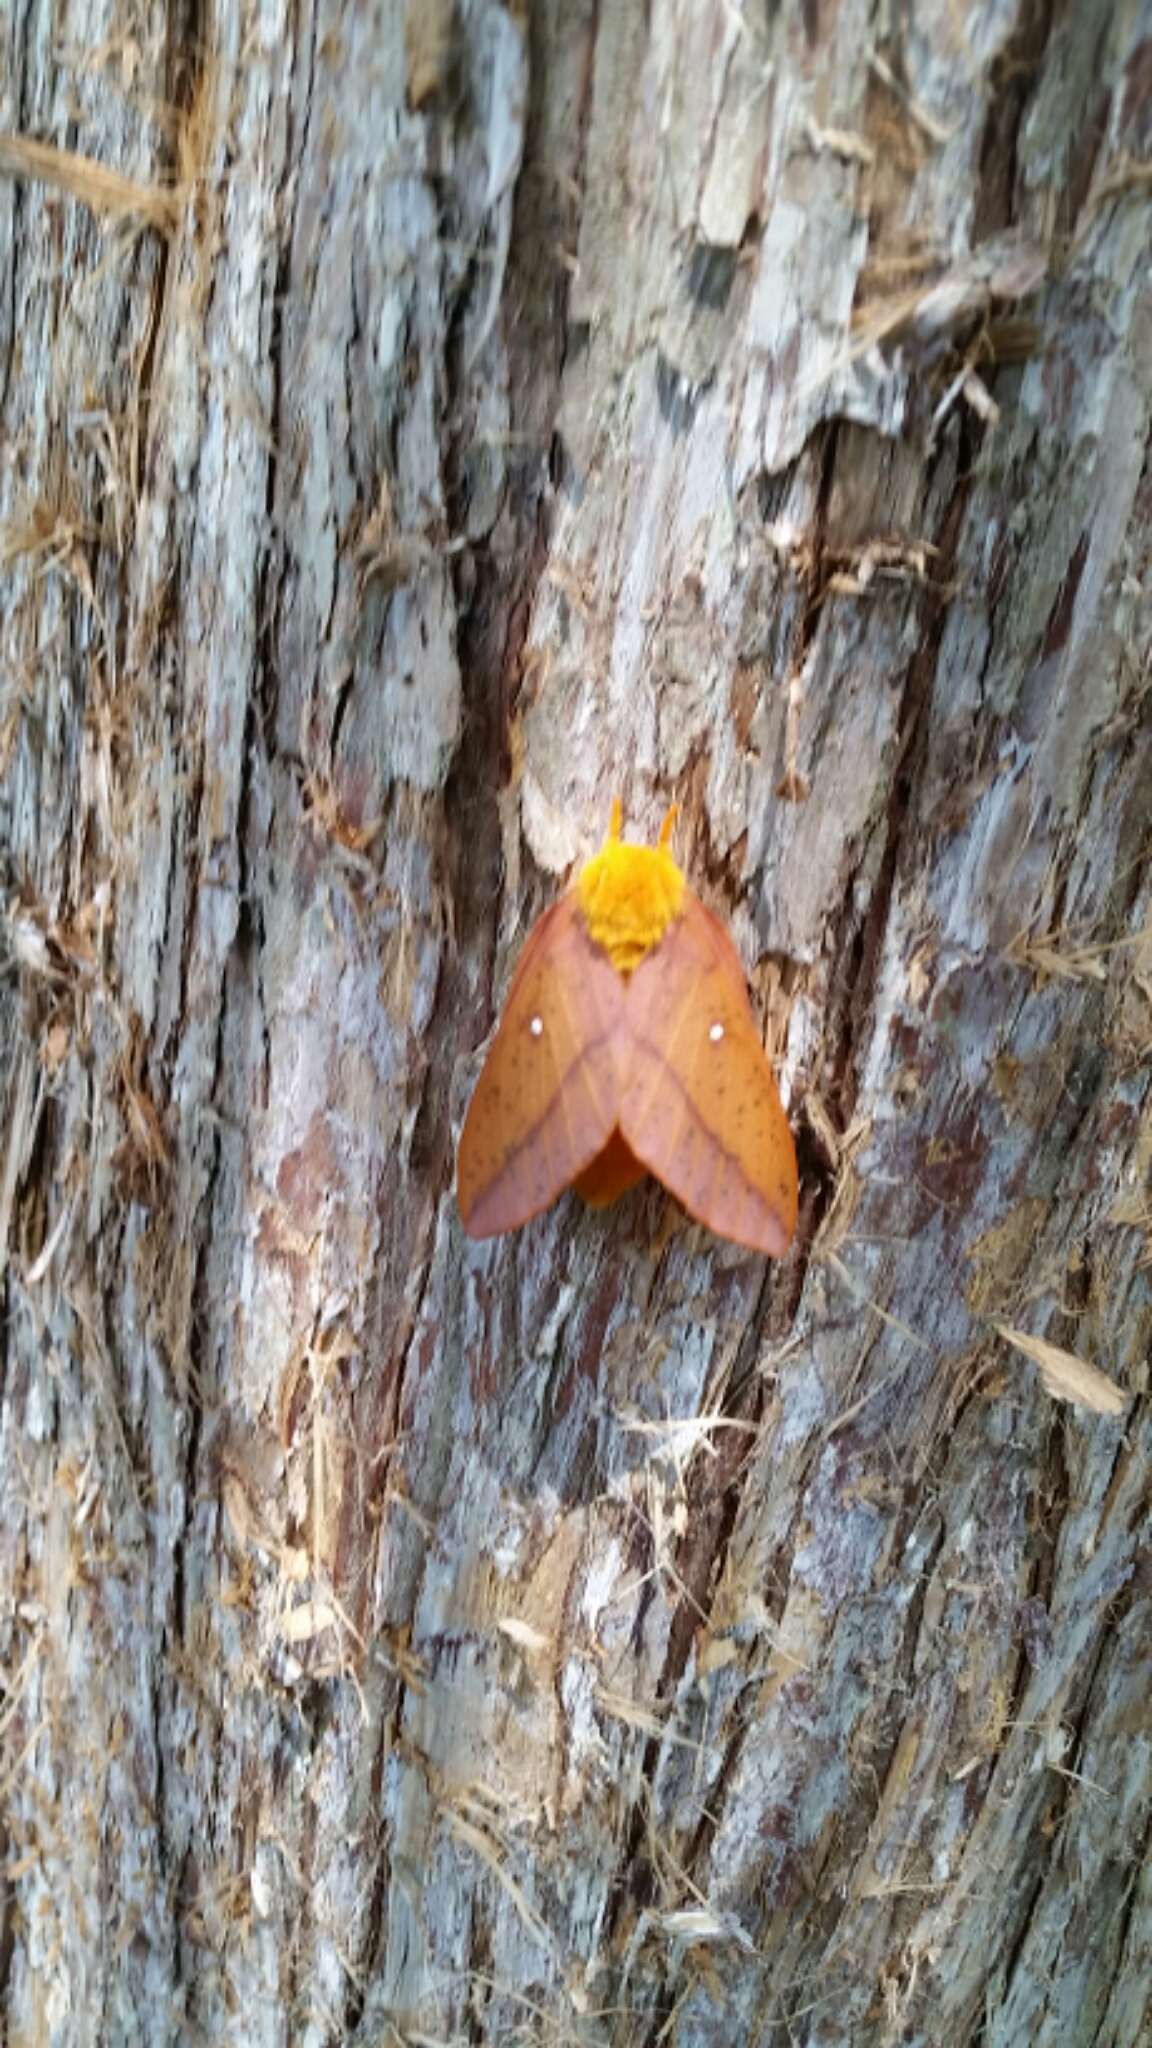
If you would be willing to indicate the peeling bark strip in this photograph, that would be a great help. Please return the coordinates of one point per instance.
(590, 1636)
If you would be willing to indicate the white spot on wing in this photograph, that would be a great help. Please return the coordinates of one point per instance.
(536, 1027)
(716, 1033)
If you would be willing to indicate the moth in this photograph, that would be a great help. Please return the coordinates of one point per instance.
(627, 1047)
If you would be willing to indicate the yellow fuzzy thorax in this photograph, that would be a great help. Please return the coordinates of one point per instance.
(629, 895)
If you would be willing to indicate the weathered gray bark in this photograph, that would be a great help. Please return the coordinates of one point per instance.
(593, 1635)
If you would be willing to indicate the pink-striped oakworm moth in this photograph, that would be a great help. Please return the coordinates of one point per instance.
(628, 1046)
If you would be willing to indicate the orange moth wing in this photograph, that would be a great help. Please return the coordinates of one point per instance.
(699, 1106)
(546, 1102)
(611, 1174)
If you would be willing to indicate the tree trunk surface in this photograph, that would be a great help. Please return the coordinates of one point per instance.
(417, 430)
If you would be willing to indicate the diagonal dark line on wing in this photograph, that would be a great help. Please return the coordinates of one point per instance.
(657, 1160)
(553, 1170)
(672, 1077)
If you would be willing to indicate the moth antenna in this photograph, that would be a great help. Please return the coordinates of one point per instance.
(616, 819)
(670, 817)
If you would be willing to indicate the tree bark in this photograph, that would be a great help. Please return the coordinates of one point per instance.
(418, 429)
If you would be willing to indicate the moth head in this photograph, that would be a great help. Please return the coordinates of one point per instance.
(630, 895)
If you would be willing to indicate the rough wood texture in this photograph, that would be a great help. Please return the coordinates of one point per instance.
(415, 431)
